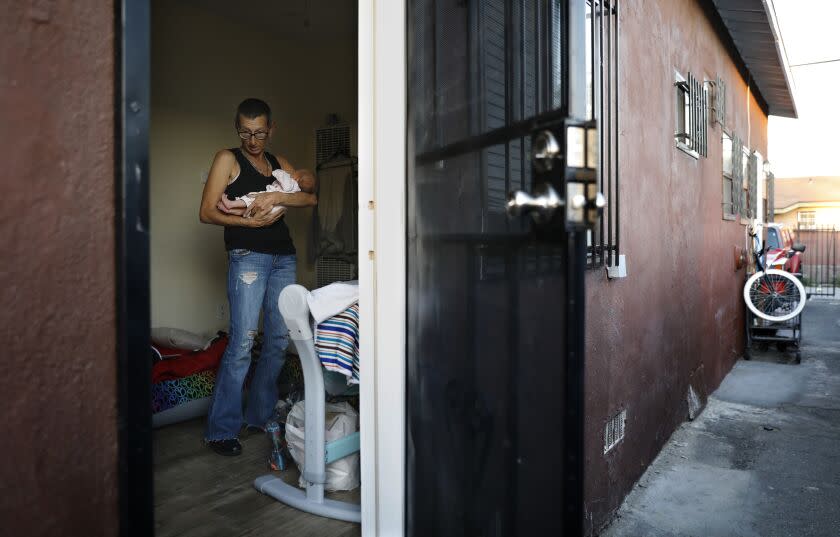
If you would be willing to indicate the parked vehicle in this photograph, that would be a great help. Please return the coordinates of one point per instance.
(782, 253)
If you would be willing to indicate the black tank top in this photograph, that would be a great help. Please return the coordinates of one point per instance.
(273, 239)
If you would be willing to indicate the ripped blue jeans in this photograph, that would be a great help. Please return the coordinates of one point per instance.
(254, 283)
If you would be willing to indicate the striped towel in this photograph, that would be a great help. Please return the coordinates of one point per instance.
(337, 343)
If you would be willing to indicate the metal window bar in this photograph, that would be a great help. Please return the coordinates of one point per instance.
(604, 43)
(737, 176)
(698, 116)
(728, 176)
(719, 102)
(683, 136)
(771, 193)
(695, 117)
(745, 186)
(692, 99)
(704, 116)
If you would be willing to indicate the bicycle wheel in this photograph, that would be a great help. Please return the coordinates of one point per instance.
(774, 295)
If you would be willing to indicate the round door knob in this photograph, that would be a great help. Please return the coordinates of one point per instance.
(540, 207)
(578, 201)
(544, 150)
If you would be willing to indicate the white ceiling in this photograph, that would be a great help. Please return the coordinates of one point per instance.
(299, 19)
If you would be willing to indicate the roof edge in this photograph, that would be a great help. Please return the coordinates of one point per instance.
(715, 18)
(801, 204)
(781, 52)
(714, 15)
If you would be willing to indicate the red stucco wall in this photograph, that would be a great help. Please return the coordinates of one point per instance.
(678, 316)
(58, 474)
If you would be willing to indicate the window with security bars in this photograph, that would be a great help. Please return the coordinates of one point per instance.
(692, 115)
(755, 173)
(602, 84)
(749, 184)
(716, 92)
(807, 219)
(730, 194)
(740, 183)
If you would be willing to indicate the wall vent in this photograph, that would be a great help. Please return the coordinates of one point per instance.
(333, 269)
(614, 431)
(331, 141)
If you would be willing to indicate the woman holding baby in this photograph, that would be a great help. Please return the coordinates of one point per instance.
(248, 191)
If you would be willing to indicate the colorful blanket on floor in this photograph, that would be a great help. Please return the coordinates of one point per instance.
(171, 393)
(337, 343)
(180, 363)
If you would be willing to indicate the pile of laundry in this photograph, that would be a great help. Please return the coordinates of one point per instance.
(183, 373)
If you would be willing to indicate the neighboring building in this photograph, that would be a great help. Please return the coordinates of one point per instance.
(467, 315)
(810, 206)
(807, 202)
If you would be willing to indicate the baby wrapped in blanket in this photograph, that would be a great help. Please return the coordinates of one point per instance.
(283, 182)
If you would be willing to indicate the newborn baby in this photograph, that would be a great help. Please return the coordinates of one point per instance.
(283, 183)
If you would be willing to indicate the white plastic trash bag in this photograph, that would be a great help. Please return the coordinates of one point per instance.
(341, 420)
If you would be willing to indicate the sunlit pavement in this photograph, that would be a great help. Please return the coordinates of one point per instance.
(763, 459)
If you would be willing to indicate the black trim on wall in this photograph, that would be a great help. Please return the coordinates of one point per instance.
(574, 422)
(131, 155)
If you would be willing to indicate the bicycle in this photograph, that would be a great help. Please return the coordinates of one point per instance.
(773, 294)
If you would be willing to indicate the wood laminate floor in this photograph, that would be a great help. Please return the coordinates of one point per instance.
(201, 494)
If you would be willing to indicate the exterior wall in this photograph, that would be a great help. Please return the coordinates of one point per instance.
(57, 283)
(825, 216)
(677, 319)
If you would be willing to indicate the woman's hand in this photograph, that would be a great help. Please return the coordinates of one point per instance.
(263, 203)
(265, 219)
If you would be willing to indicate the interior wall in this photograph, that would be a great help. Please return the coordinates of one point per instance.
(203, 64)
(677, 319)
(59, 473)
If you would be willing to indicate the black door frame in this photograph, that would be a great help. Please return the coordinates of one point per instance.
(576, 97)
(132, 33)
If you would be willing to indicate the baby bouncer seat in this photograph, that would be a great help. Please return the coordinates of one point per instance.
(295, 310)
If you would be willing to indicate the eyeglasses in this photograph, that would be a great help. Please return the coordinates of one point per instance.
(259, 135)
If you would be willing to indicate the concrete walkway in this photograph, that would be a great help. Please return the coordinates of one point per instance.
(763, 459)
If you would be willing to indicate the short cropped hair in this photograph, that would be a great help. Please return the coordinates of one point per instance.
(252, 108)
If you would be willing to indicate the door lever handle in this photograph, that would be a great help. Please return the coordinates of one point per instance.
(540, 207)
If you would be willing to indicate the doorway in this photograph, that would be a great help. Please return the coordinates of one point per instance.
(530, 275)
(207, 56)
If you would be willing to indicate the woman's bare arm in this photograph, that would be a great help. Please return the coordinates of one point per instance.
(265, 201)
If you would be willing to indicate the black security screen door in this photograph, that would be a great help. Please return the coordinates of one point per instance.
(495, 297)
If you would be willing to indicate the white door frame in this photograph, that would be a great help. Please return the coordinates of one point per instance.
(382, 263)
